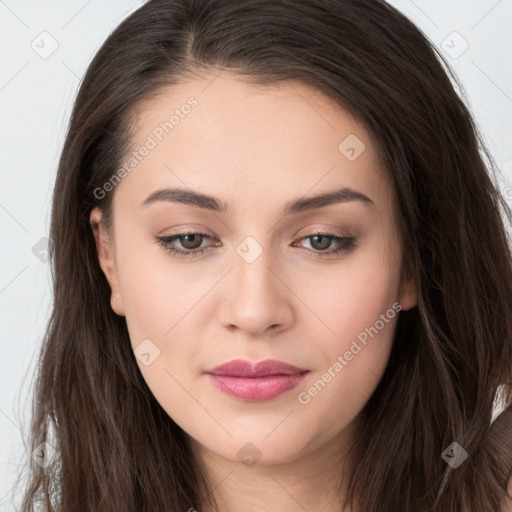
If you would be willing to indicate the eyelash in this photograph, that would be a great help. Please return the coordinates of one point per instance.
(348, 243)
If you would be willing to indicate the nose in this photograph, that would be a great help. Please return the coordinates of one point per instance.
(257, 302)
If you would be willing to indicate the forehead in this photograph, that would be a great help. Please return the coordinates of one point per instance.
(224, 136)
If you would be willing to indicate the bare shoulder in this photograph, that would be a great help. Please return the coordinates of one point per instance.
(507, 504)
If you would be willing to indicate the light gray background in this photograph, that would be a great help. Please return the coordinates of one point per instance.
(36, 94)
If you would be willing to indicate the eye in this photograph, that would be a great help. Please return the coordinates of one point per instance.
(191, 244)
(191, 241)
(321, 241)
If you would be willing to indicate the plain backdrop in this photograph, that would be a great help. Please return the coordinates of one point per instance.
(45, 50)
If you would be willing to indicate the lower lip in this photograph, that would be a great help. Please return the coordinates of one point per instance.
(256, 389)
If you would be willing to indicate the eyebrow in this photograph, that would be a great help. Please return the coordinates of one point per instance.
(208, 202)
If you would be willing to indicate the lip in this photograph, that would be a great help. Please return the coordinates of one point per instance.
(244, 368)
(255, 382)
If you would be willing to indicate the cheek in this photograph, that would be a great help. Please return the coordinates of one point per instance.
(160, 300)
(359, 310)
(157, 292)
(351, 298)
(350, 366)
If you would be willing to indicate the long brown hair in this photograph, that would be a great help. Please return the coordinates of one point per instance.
(452, 353)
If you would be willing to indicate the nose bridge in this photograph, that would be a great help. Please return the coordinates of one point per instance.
(252, 273)
(258, 299)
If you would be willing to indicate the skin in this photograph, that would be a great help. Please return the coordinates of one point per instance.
(257, 149)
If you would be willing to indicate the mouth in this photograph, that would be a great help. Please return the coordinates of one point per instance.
(255, 382)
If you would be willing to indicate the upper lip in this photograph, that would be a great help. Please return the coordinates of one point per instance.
(244, 368)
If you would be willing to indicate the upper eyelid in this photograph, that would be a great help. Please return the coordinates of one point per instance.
(307, 235)
(331, 231)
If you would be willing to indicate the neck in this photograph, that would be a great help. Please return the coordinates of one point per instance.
(315, 480)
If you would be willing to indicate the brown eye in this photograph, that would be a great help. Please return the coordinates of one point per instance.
(191, 241)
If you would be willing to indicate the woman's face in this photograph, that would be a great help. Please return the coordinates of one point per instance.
(264, 285)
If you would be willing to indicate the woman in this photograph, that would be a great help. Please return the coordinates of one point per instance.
(282, 279)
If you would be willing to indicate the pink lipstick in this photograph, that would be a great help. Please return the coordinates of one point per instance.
(255, 382)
